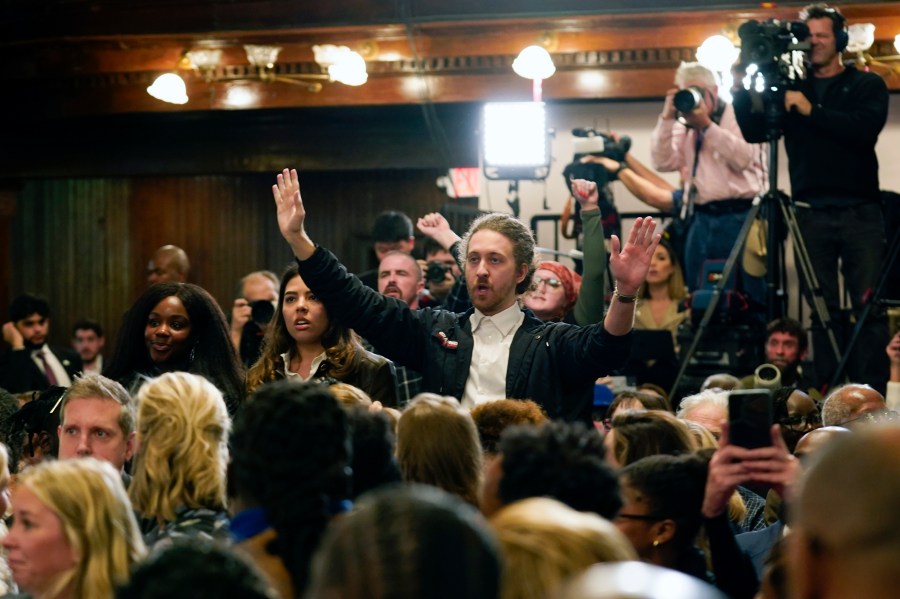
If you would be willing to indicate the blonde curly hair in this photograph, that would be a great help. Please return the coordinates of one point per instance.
(182, 429)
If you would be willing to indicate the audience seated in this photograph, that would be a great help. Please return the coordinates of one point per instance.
(892, 396)
(33, 430)
(30, 363)
(290, 477)
(437, 444)
(6, 579)
(709, 408)
(306, 343)
(415, 541)
(635, 400)
(661, 297)
(661, 516)
(179, 468)
(853, 405)
(493, 417)
(191, 569)
(844, 540)
(373, 439)
(796, 412)
(635, 434)
(554, 291)
(721, 381)
(544, 542)
(564, 461)
(74, 533)
(88, 340)
(169, 263)
(177, 327)
(97, 420)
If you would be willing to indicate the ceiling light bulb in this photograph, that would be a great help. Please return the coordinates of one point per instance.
(717, 53)
(169, 88)
(534, 62)
(343, 64)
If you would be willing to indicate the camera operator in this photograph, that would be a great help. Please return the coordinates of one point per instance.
(832, 123)
(251, 312)
(722, 172)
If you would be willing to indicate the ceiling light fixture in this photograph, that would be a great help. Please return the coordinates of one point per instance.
(338, 63)
(535, 63)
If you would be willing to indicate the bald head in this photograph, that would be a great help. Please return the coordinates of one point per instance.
(850, 402)
(845, 521)
(813, 441)
(169, 263)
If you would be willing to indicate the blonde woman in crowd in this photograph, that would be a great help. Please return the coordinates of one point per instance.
(179, 469)
(74, 534)
(544, 542)
(437, 444)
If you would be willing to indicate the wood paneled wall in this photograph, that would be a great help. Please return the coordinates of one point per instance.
(85, 243)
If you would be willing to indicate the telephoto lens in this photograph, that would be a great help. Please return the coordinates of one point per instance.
(688, 99)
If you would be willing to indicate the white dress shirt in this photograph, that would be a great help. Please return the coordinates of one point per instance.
(492, 337)
(296, 376)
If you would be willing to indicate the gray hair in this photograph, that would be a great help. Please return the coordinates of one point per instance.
(689, 71)
(712, 397)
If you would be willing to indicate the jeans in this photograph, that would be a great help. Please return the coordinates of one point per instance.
(711, 237)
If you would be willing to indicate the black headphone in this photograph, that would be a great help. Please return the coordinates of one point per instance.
(838, 23)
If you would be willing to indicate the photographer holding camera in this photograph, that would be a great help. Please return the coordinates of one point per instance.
(697, 135)
(251, 312)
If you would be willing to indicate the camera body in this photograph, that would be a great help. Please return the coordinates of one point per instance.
(436, 271)
(774, 54)
(587, 141)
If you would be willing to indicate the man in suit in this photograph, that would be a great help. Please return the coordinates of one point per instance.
(31, 364)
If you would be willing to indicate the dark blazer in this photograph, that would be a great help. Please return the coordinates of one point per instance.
(19, 373)
(554, 364)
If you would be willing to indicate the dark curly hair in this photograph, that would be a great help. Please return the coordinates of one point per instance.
(291, 451)
(561, 460)
(212, 357)
(373, 439)
(493, 417)
(193, 568)
(672, 487)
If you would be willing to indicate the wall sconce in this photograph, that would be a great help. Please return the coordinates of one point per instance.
(862, 38)
(535, 63)
(339, 63)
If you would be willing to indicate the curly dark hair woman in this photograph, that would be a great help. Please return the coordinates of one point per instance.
(304, 342)
(290, 473)
(177, 327)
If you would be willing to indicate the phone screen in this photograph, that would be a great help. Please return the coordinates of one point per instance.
(750, 418)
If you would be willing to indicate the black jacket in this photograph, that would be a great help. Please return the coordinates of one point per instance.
(19, 373)
(831, 152)
(554, 364)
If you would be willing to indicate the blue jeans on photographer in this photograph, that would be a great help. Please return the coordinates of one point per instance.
(712, 234)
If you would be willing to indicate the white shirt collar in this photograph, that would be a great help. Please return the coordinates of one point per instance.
(296, 376)
(506, 320)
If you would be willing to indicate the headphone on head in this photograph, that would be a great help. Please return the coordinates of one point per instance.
(838, 22)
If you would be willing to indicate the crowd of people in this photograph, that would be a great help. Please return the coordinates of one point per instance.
(429, 428)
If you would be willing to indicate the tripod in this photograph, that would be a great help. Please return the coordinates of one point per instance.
(775, 295)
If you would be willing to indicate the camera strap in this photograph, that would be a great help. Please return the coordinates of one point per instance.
(687, 207)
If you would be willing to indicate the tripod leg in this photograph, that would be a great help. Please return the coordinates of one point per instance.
(736, 251)
(801, 257)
